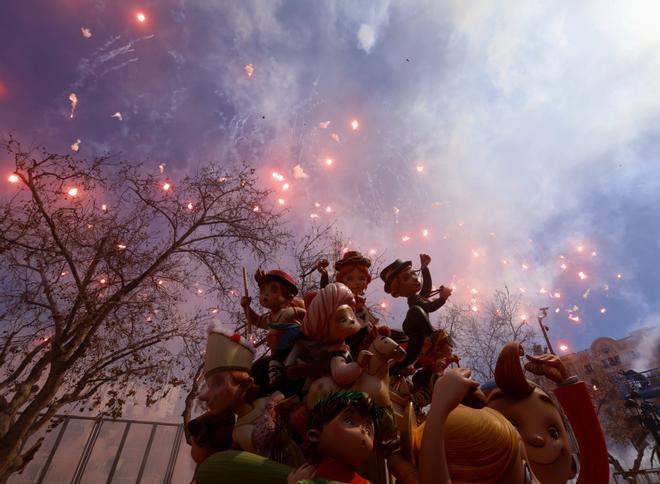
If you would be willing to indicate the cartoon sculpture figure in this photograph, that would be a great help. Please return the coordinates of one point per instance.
(462, 444)
(353, 271)
(226, 372)
(341, 431)
(330, 318)
(539, 420)
(402, 281)
(277, 291)
(230, 389)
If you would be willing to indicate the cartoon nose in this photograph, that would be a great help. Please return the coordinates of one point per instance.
(536, 440)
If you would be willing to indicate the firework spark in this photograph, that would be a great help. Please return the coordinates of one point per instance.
(141, 17)
(299, 173)
(72, 192)
(324, 124)
(13, 178)
(86, 32)
(75, 147)
(73, 99)
(249, 70)
(118, 116)
(355, 125)
(335, 137)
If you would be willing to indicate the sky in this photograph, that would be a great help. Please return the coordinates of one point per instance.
(505, 139)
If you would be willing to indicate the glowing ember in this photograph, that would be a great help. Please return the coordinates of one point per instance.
(475, 253)
(72, 192)
(383, 305)
(249, 70)
(335, 137)
(563, 266)
(329, 161)
(563, 348)
(354, 124)
(141, 17)
(525, 267)
(619, 276)
(86, 32)
(160, 282)
(190, 206)
(313, 215)
(280, 201)
(324, 124)
(73, 99)
(214, 311)
(285, 186)
(121, 246)
(102, 281)
(328, 209)
(582, 275)
(594, 254)
(255, 208)
(557, 295)
(166, 186)
(104, 207)
(420, 168)
(574, 318)
(13, 178)
(405, 238)
(278, 176)
(425, 233)
(75, 147)
(603, 310)
(474, 309)
(199, 291)
(580, 248)
(118, 116)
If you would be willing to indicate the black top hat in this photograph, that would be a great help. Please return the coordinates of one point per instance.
(394, 269)
(352, 257)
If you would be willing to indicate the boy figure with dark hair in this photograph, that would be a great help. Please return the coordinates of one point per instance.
(341, 429)
(277, 291)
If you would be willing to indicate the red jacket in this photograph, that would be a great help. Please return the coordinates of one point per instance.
(334, 470)
(578, 407)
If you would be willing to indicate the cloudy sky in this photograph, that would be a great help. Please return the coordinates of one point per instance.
(503, 138)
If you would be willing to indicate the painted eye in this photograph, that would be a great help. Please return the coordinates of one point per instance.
(554, 433)
(349, 421)
(527, 473)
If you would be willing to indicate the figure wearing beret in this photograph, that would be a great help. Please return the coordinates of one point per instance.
(277, 291)
(402, 281)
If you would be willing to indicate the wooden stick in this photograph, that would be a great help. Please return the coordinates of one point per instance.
(248, 316)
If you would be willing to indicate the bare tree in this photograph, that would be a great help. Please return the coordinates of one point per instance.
(320, 242)
(99, 261)
(480, 335)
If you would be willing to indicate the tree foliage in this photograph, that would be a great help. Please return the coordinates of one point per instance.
(102, 264)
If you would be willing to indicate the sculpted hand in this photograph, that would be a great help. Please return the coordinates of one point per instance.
(445, 292)
(547, 365)
(245, 301)
(364, 357)
(303, 473)
(451, 388)
(322, 266)
(424, 260)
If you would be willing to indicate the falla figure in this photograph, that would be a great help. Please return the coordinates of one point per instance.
(353, 271)
(277, 291)
(538, 418)
(402, 281)
(461, 444)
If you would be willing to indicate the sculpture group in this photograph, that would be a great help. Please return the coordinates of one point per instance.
(338, 396)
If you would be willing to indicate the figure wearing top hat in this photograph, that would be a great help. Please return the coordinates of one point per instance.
(277, 291)
(352, 270)
(402, 281)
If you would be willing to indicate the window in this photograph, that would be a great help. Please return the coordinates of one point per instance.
(588, 368)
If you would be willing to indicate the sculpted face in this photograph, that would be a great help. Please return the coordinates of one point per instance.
(348, 437)
(407, 283)
(270, 296)
(356, 280)
(542, 430)
(222, 392)
(344, 324)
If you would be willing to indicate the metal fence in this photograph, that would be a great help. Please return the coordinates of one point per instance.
(84, 450)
